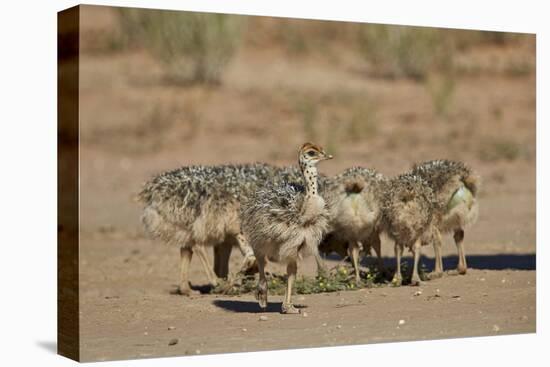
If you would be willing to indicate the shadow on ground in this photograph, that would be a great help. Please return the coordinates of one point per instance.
(202, 289)
(248, 306)
(490, 262)
(480, 262)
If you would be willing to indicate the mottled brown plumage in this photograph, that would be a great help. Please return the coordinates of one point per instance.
(284, 175)
(198, 206)
(356, 197)
(408, 215)
(455, 188)
(285, 221)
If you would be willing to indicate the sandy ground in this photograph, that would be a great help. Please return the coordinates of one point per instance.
(128, 310)
(136, 323)
(133, 125)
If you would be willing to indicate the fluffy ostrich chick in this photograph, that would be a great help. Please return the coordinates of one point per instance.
(356, 215)
(286, 222)
(408, 219)
(455, 187)
(197, 207)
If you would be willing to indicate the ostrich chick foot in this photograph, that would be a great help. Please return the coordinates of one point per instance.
(289, 309)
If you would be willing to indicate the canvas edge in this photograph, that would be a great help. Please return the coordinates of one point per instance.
(68, 305)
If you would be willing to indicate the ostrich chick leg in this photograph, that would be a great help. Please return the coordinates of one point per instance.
(249, 262)
(184, 288)
(354, 250)
(287, 306)
(261, 293)
(203, 257)
(438, 271)
(322, 269)
(459, 240)
(222, 253)
(397, 278)
(377, 245)
(415, 278)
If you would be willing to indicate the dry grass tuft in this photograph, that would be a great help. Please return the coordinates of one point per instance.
(500, 149)
(398, 51)
(194, 47)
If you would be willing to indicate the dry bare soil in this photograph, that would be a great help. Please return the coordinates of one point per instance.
(134, 125)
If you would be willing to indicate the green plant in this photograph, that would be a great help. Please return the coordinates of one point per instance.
(518, 68)
(441, 89)
(466, 39)
(398, 51)
(308, 111)
(131, 26)
(332, 136)
(195, 47)
(292, 34)
(362, 122)
(339, 278)
(500, 150)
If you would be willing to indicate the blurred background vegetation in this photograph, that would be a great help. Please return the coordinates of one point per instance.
(160, 89)
(340, 84)
(194, 47)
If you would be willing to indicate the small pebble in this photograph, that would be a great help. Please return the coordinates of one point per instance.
(503, 280)
(401, 322)
(173, 341)
(171, 327)
(263, 318)
(496, 329)
(146, 333)
(324, 324)
(417, 293)
(244, 329)
(198, 351)
(304, 314)
(482, 279)
(338, 326)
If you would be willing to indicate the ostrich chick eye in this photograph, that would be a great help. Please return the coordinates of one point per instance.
(311, 153)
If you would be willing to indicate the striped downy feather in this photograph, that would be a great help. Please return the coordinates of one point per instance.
(356, 214)
(456, 188)
(286, 220)
(198, 206)
(408, 215)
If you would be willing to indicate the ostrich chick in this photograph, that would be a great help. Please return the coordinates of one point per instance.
(455, 187)
(196, 207)
(356, 215)
(285, 222)
(408, 219)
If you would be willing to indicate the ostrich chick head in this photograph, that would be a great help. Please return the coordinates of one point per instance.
(311, 154)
